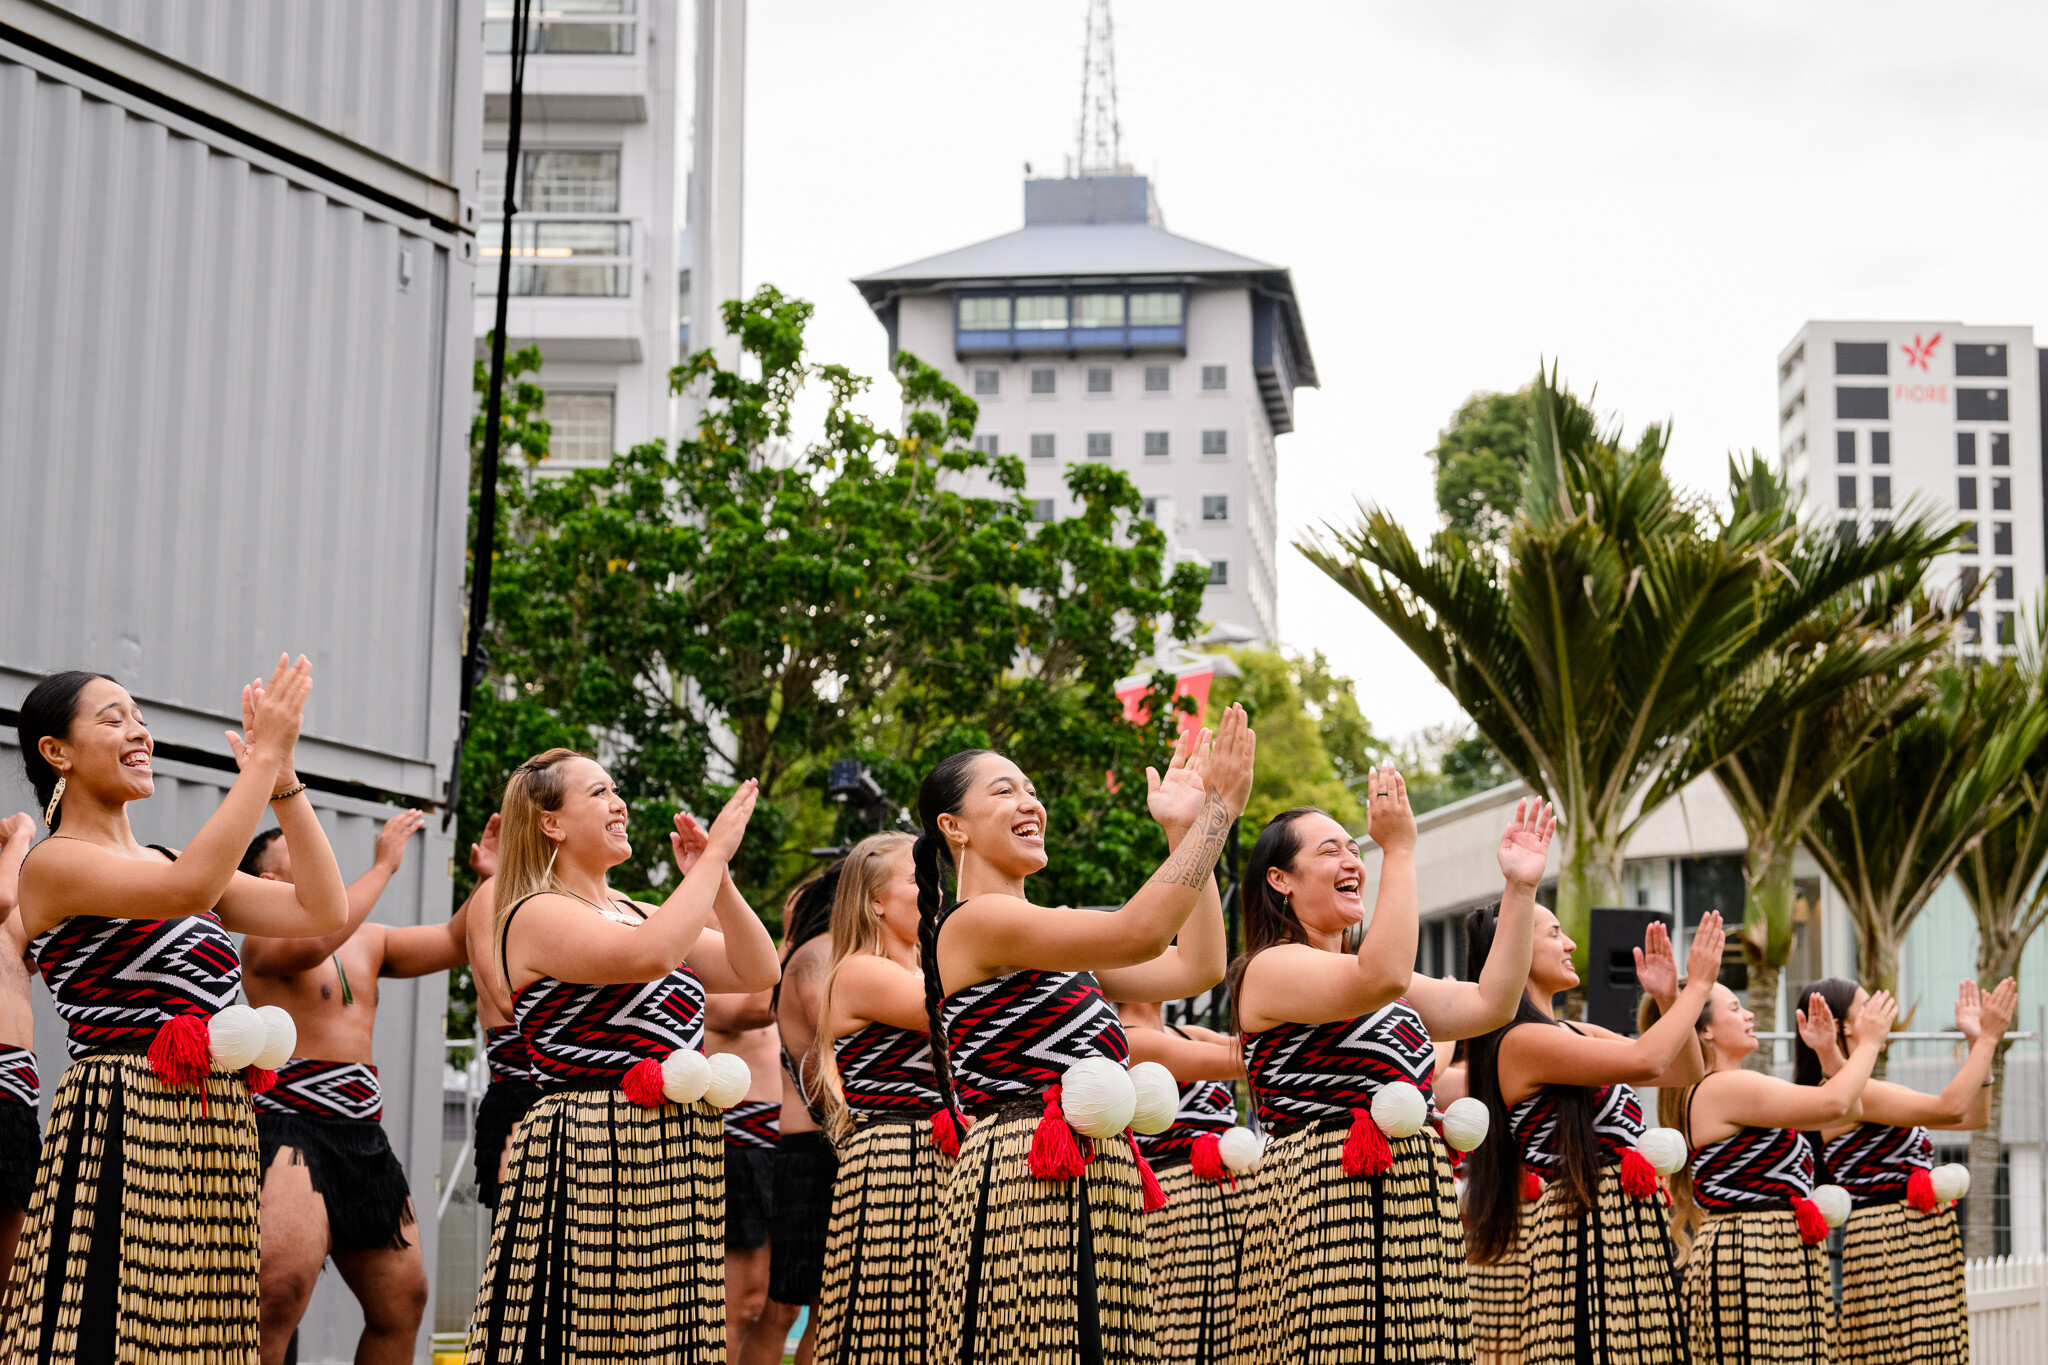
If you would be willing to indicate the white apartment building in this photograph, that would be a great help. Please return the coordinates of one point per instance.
(1093, 333)
(1872, 415)
(594, 241)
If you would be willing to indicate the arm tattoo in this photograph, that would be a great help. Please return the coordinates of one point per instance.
(1189, 864)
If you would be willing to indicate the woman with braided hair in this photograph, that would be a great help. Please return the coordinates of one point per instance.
(1041, 1241)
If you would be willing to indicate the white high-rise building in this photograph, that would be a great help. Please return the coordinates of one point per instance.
(594, 269)
(1092, 333)
(1872, 415)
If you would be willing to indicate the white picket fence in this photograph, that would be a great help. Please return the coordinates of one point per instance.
(2008, 1298)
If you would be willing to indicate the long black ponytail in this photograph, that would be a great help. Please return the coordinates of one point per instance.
(941, 793)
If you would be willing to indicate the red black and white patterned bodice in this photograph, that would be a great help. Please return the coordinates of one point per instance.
(1758, 1168)
(324, 1090)
(1324, 1071)
(1015, 1035)
(20, 1080)
(506, 1054)
(1875, 1161)
(589, 1037)
(115, 982)
(1205, 1107)
(886, 1072)
(1617, 1124)
(753, 1123)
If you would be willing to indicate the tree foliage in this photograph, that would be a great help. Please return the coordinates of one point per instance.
(1482, 460)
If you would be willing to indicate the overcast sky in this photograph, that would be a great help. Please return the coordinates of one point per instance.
(1654, 195)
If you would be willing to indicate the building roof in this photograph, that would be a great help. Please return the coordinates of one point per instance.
(1069, 251)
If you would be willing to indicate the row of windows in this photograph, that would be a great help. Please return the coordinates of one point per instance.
(2001, 537)
(1880, 447)
(1045, 509)
(2001, 581)
(1056, 312)
(1860, 404)
(1973, 360)
(1999, 443)
(1100, 379)
(2008, 627)
(1966, 493)
(1102, 445)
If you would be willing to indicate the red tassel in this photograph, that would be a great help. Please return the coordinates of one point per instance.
(1532, 1186)
(1055, 1152)
(1813, 1228)
(182, 1052)
(260, 1081)
(1920, 1190)
(1638, 1176)
(1205, 1158)
(946, 1133)
(1365, 1147)
(642, 1084)
(1155, 1198)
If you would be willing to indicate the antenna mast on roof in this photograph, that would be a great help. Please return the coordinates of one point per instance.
(1098, 140)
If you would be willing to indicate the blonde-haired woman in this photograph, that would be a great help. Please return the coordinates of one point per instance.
(884, 1109)
(606, 1242)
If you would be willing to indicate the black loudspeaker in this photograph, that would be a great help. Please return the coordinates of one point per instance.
(1611, 989)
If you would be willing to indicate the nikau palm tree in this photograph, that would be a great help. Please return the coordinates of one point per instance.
(1591, 653)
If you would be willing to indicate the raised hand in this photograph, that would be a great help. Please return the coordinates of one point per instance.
(1656, 968)
(20, 826)
(1991, 1012)
(1390, 822)
(1525, 847)
(272, 713)
(392, 838)
(1227, 772)
(688, 842)
(1703, 959)
(731, 825)
(1873, 1023)
(483, 854)
(1818, 1030)
(1175, 800)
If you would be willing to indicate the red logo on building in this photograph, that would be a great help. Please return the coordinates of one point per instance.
(1920, 352)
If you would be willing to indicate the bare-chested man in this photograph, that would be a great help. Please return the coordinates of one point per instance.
(332, 1186)
(21, 1139)
(745, 1025)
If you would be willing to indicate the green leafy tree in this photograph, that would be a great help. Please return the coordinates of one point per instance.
(1482, 460)
(1447, 763)
(1309, 750)
(1588, 654)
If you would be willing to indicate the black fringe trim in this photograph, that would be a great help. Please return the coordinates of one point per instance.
(504, 1104)
(353, 1169)
(21, 1147)
(805, 1166)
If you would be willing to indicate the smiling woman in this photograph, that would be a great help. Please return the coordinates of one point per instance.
(142, 1235)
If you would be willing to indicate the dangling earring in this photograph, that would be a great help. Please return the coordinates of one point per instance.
(50, 811)
(553, 853)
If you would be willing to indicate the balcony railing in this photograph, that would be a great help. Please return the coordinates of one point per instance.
(566, 28)
(561, 256)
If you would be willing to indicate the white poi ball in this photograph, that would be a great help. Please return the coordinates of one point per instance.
(1834, 1204)
(1158, 1098)
(730, 1080)
(1663, 1148)
(1466, 1123)
(685, 1075)
(1399, 1109)
(1097, 1097)
(234, 1037)
(1951, 1181)
(1240, 1149)
(280, 1037)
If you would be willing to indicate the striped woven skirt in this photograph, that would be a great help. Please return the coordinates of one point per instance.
(1196, 1243)
(1342, 1268)
(1604, 1285)
(881, 1249)
(1902, 1287)
(1040, 1270)
(1500, 1306)
(1756, 1294)
(141, 1236)
(609, 1238)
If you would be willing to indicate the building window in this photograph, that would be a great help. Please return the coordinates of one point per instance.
(1862, 405)
(1966, 494)
(1041, 509)
(2001, 494)
(1215, 507)
(1966, 447)
(1044, 381)
(1966, 580)
(1219, 573)
(572, 30)
(1982, 405)
(2001, 586)
(1880, 447)
(1845, 491)
(2001, 447)
(1845, 531)
(1862, 357)
(1215, 377)
(985, 314)
(581, 426)
(987, 445)
(1042, 312)
(987, 382)
(1156, 445)
(1973, 625)
(1098, 445)
(1881, 491)
(1979, 361)
(555, 180)
(1158, 378)
(1152, 510)
(1215, 443)
(1845, 447)
(1041, 445)
(1098, 310)
(2001, 537)
(1880, 526)
(1099, 378)
(2008, 629)
(1966, 538)
(1156, 309)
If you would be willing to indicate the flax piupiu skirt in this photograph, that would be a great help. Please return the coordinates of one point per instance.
(1196, 1244)
(882, 1245)
(1499, 1293)
(608, 1242)
(1902, 1287)
(1041, 1270)
(1755, 1294)
(141, 1239)
(1341, 1268)
(1603, 1284)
